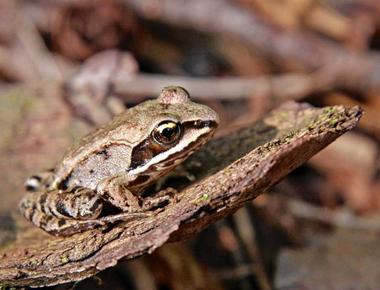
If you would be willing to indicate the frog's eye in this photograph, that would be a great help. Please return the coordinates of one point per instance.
(167, 132)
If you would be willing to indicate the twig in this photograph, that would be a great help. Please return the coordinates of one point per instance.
(350, 69)
(283, 87)
(247, 234)
(342, 218)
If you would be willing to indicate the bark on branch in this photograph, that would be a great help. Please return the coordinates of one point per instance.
(230, 171)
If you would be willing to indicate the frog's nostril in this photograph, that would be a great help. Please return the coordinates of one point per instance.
(207, 124)
(204, 124)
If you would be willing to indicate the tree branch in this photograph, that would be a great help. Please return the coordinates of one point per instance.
(230, 170)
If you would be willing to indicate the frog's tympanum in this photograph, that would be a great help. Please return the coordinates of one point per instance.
(114, 164)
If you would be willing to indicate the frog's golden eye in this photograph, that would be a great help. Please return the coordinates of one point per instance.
(167, 132)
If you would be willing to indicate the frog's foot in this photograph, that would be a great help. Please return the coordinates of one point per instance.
(160, 199)
(124, 217)
(63, 212)
(68, 227)
(113, 191)
(116, 193)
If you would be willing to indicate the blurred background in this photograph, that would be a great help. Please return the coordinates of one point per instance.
(67, 66)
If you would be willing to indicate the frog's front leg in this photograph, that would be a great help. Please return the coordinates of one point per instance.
(115, 191)
(63, 212)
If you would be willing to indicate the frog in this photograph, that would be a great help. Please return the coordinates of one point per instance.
(115, 164)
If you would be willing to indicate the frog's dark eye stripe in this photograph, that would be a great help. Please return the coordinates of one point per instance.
(150, 153)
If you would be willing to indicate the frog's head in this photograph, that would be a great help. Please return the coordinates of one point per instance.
(175, 127)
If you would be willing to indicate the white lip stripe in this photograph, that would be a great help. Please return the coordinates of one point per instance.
(163, 156)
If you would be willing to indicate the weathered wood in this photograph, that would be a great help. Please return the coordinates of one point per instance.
(229, 171)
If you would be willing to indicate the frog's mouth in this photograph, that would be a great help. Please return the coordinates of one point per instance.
(195, 134)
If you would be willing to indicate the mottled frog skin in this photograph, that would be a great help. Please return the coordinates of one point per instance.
(114, 164)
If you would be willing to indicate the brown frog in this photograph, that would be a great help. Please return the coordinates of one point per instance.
(114, 164)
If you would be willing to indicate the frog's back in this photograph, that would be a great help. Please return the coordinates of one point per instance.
(102, 153)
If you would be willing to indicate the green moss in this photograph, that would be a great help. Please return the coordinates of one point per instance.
(64, 259)
(325, 119)
(33, 263)
(329, 118)
(333, 122)
(205, 197)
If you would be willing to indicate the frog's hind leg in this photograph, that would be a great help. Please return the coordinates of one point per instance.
(63, 212)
